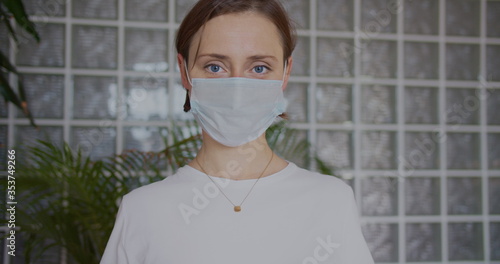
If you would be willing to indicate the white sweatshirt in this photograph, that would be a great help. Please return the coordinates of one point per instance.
(293, 216)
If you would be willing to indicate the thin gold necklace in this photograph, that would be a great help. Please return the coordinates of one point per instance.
(237, 208)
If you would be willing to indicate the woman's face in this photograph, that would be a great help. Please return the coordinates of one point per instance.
(236, 45)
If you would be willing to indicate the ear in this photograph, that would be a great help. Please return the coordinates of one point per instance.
(181, 61)
(289, 67)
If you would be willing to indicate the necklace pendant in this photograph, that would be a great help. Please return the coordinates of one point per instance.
(237, 208)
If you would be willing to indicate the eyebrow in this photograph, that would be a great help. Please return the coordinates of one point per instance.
(261, 57)
(224, 57)
(214, 55)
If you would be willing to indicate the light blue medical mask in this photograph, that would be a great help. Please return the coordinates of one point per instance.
(235, 111)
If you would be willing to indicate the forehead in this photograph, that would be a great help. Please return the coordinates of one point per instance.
(238, 35)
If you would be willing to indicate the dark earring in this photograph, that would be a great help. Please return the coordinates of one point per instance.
(187, 104)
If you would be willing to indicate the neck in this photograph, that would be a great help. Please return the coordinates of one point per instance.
(238, 163)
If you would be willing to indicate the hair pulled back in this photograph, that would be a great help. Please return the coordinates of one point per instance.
(204, 10)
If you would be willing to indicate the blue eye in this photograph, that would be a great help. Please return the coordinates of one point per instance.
(259, 69)
(214, 68)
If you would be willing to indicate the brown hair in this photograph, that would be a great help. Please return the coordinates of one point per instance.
(205, 10)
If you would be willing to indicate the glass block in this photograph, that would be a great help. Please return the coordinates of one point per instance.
(495, 240)
(2, 214)
(3, 146)
(3, 200)
(494, 195)
(378, 104)
(49, 8)
(334, 103)
(296, 96)
(462, 61)
(421, 60)
(4, 40)
(335, 15)
(182, 7)
(464, 196)
(4, 110)
(94, 97)
(456, 11)
(493, 19)
(423, 242)
(421, 150)
(301, 62)
(421, 105)
(462, 107)
(298, 10)
(378, 150)
(379, 196)
(379, 16)
(146, 50)
(49, 52)
(95, 47)
(421, 17)
(335, 57)
(3, 193)
(493, 151)
(493, 63)
(335, 148)
(300, 158)
(422, 196)
(144, 138)
(45, 95)
(28, 135)
(465, 241)
(493, 106)
(104, 9)
(463, 151)
(378, 59)
(145, 99)
(146, 10)
(96, 142)
(382, 240)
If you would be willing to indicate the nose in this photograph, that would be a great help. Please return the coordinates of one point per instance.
(239, 72)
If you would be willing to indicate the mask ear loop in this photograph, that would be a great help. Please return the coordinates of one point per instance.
(187, 73)
(187, 103)
(284, 115)
(284, 74)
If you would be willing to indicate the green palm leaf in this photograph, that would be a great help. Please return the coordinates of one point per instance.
(15, 9)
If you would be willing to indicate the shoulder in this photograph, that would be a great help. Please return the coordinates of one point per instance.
(162, 190)
(321, 182)
(317, 178)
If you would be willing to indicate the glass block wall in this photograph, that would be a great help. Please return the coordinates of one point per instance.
(403, 97)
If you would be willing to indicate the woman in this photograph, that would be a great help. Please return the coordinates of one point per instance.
(237, 202)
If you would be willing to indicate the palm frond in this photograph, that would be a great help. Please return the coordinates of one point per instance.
(73, 201)
(15, 9)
